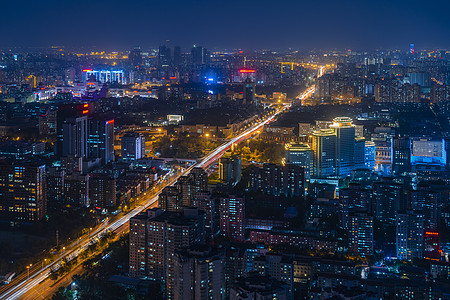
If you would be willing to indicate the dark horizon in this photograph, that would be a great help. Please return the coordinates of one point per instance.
(251, 25)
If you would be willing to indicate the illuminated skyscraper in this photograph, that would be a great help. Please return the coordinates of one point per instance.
(300, 154)
(345, 145)
(324, 147)
(100, 141)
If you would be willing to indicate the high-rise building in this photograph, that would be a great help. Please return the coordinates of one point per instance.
(164, 56)
(360, 229)
(199, 273)
(300, 154)
(401, 161)
(132, 146)
(74, 136)
(276, 179)
(199, 55)
(369, 155)
(155, 237)
(100, 139)
(388, 198)
(195, 181)
(22, 189)
(345, 145)
(135, 57)
(203, 200)
(72, 130)
(324, 147)
(102, 191)
(76, 189)
(232, 217)
(409, 235)
(230, 168)
(55, 184)
(170, 199)
(177, 58)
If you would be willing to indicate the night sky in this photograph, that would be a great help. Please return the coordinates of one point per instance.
(247, 24)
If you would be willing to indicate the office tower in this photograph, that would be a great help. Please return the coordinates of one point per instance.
(249, 91)
(164, 56)
(277, 267)
(388, 197)
(132, 146)
(300, 154)
(135, 57)
(22, 189)
(360, 151)
(324, 148)
(100, 140)
(232, 217)
(255, 286)
(177, 59)
(170, 199)
(230, 168)
(203, 200)
(199, 273)
(74, 136)
(345, 145)
(156, 236)
(401, 162)
(199, 55)
(360, 232)
(369, 155)
(409, 239)
(102, 191)
(71, 130)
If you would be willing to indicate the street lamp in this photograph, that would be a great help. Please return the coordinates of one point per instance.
(28, 269)
(42, 263)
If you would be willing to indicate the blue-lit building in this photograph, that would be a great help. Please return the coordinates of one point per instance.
(345, 145)
(105, 76)
(369, 155)
(300, 154)
(428, 151)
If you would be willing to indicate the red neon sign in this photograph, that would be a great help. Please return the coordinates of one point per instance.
(110, 122)
(431, 233)
(247, 71)
(173, 78)
(87, 70)
(85, 112)
(85, 105)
